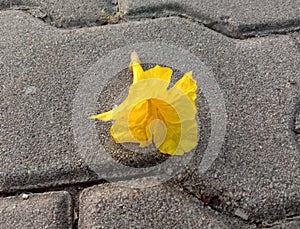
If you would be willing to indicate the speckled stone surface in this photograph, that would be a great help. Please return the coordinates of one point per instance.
(47, 210)
(156, 207)
(256, 175)
(297, 35)
(66, 14)
(294, 224)
(237, 18)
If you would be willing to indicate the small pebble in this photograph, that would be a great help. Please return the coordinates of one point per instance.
(25, 196)
(240, 213)
(293, 82)
(38, 13)
(30, 90)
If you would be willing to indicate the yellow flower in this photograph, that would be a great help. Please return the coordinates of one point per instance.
(152, 113)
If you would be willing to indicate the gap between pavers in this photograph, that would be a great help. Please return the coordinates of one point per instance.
(235, 18)
(41, 68)
(46, 210)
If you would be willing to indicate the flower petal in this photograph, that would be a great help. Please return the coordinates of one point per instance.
(152, 113)
(138, 121)
(106, 116)
(188, 85)
(172, 140)
(154, 73)
(180, 138)
(158, 73)
(138, 92)
(121, 133)
(158, 130)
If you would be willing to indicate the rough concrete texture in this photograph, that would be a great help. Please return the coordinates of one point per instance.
(7, 4)
(110, 206)
(66, 14)
(237, 18)
(259, 163)
(298, 37)
(288, 225)
(47, 210)
(39, 75)
(256, 175)
(295, 224)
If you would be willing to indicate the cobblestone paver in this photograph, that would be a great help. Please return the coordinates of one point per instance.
(112, 206)
(47, 210)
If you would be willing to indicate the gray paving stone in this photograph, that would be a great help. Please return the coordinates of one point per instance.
(288, 225)
(238, 18)
(257, 171)
(48, 210)
(65, 14)
(36, 135)
(110, 206)
(7, 4)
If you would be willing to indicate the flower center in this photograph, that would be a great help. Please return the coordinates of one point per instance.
(152, 120)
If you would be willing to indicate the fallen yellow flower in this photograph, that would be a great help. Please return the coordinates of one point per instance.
(152, 113)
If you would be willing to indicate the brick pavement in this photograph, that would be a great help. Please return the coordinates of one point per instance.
(47, 49)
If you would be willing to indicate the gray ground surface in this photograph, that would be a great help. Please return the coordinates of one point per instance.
(47, 210)
(288, 225)
(39, 79)
(256, 176)
(63, 14)
(113, 206)
(237, 18)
